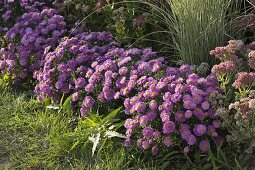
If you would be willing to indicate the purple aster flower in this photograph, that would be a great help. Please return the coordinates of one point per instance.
(134, 100)
(88, 101)
(187, 97)
(197, 99)
(188, 114)
(168, 141)
(186, 150)
(200, 130)
(84, 112)
(176, 97)
(205, 105)
(165, 116)
(123, 70)
(168, 127)
(117, 95)
(148, 132)
(191, 140)
(167, 96)
(140, 107)
(154, 150)
(130, 123)
(143, 120)
(145, 144)
(75, 96)
(153, 104)
(179, 88)
(139, 143)
(171, 71)
(160, 85)
(204, 146)
(184, 69)
(179, 116)
(151, 115)
(185, 134)
(127, 103)
(79, 83)
(89, 88)
(156, 135)
(127, 142)
(189, 104)
(184, 127)
(167, 106)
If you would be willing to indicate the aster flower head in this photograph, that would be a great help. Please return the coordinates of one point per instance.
(140, 107)
(188, 114)
(155, 150)
(200, 130)
(88, 101)
(168, 127)
(179, 116)
(145, 144)
(75, 96)
(156, 135)
(205, 105)
(204, 145)
(191, 140)
(143, 120)
(168, 141)
(184, 68)
(185, 133)
(148, 132)
(153, 104)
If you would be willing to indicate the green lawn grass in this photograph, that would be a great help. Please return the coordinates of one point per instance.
(31, 139)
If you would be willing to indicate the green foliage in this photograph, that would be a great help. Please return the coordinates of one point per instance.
(94, 129)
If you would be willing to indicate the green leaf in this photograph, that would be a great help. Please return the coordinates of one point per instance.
(111, 134)
(67, 104)
(96, 141)
(53, 107)
(110, 116)
(62, 98)
(75, 144)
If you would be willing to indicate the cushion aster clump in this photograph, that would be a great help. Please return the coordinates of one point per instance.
(173, 111)
(27, 40)
(66, 67)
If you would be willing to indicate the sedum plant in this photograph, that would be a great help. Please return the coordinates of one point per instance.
(236, 74)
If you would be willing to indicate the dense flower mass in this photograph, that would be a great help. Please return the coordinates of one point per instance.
(175, 106)
(32, 35)
(10, 10)
(70, 66)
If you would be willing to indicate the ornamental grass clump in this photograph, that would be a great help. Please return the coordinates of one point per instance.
(236, 74)
(33, 34)
(173, 111)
